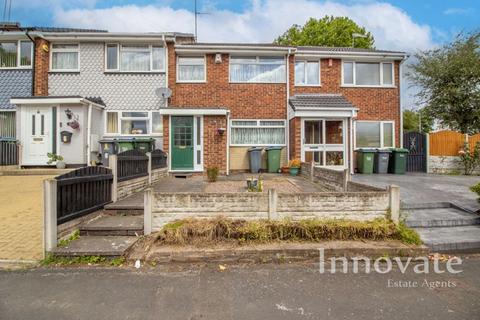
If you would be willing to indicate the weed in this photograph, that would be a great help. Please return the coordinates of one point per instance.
(65, 242)
(476, 189)
(52, 260)
(407, 235)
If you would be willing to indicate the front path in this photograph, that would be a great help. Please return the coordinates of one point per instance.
(21, 217)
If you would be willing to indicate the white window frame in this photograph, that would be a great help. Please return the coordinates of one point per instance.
(323, 146)
(381, 133)
(52, 50)
(204, 68)
(119, 133)
(232, 126)
(18, 66)
(257, 57)
(392, 85)
(119, 62)
(305, 62)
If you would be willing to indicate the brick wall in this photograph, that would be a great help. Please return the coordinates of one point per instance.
(373, 103)
(295, 138)
(42, 58)
(214, 144)
(244, 100)
(330, 179)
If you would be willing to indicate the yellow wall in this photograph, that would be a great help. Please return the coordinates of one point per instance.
(239, 158)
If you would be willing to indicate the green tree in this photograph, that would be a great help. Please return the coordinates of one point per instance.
(449, 82)
(411, 120)
(328, 31)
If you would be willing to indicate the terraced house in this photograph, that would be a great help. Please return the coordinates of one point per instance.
(205, 104)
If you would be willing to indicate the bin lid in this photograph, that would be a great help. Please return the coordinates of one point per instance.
(255, 149)
(143, 139)
(273, 148)
(399, 150)
(384, 150)
(367, 150)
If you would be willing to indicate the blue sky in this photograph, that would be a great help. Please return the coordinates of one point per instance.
(433, 21)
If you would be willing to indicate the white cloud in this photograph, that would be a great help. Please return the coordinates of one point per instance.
(261, 21)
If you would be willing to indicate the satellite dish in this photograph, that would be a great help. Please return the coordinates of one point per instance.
(163, 93)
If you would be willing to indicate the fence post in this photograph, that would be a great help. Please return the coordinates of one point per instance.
(312, 168)
(272, 204)
(149, 155)
(113, 164)
(394, 192)
(147, 211)
(49, 215)
(346, 178)
(427, 152)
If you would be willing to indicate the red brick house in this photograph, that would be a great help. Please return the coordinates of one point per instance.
(316, 103)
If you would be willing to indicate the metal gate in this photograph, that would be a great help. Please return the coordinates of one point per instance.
(416, 143)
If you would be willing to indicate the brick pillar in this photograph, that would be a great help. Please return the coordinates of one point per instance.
(42, 58)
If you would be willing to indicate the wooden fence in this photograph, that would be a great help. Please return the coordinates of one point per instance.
(8, 152)
(448, 143)
(131, 164)
(159, 159)
(82, 191)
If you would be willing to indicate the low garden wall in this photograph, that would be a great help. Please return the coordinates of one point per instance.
(162, 208)
(447, 165)
(333, 180)
(131, 186)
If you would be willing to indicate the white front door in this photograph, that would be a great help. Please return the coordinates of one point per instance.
(324, 142)
(37, 135)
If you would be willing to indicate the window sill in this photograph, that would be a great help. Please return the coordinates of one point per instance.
(268, 83)
(16, 68)
(193, 82)
(308, 85)
(118, 135)
(133, 72)
(373, 87)
(64, 71)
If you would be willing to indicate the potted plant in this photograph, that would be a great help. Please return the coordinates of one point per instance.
(212, 174)
(294, 166)
(57, 159)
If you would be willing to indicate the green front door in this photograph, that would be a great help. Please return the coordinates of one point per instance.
(182, 143)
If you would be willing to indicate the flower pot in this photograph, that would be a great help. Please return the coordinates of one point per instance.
(252, 184)
(285, 169)
(61, 165)
(293, 171)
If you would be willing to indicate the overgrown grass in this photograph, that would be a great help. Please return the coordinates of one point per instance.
(211, 231)
(52, 260)
(65, 242)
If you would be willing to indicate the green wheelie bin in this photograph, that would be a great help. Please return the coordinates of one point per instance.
(365, 159)
(398, 161)
(273, 159)
(144, 144)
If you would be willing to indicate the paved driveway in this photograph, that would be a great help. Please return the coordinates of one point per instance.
(427, 188)
(21, 221)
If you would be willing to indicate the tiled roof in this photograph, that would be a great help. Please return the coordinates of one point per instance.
(54, 29)
(97, 100)
(319, 101)
(344, 49)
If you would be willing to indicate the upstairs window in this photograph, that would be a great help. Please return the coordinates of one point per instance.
(65, 57)
(257, 69)
(191, 69)
(367, 74)
(307, 73)
(135, 58)
(16, 54)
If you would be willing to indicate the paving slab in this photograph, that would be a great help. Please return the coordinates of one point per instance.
(440, 217)
(96, 246)
(113, 225)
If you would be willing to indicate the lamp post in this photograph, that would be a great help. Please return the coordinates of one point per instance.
(357, 35)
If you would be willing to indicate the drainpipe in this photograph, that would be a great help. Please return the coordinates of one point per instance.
(287, 122)
(228, 143)
(33, 62)
(351, 144)
(166, 67)
(89, 132)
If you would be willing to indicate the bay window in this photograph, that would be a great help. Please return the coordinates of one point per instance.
(191, 69)
(367, 73)
(257, 132)
(307, 73)
(16, 54)
(134, 58)
(65, 57)
(134, 123)
(257, 69)
(374, 134)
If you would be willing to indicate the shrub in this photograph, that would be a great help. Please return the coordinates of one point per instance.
(476, 189)
(211, 231)
(212, 174)
(52, 157)
(470, 159)
(295, 163)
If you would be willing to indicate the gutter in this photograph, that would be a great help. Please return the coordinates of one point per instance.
(228, 143)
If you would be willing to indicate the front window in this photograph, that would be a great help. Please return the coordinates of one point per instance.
(374, 134)
(65, 57)
(307, 73)
(16, 54)
(134, 123)
(135, 58)
(258, 69)
(191, 69)
(367, 74)
(257, 132)
(323, 142)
